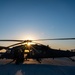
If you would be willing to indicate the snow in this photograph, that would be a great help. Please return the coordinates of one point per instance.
(36, 69)
(61, 66)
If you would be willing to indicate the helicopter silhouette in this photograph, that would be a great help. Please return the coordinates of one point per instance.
(37, 51)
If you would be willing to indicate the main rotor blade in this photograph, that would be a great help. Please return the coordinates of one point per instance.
(39, 40)
(13, 40)
(55, 39)
(15, 44)
(17, 40)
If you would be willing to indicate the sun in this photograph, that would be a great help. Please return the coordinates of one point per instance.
(28, 44)
(29, 38)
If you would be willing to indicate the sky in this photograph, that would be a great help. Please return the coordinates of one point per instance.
(38, 19)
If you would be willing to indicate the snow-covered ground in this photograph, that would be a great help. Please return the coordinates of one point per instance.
(59, 66)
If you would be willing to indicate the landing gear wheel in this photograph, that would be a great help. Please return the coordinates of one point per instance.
(19, 60)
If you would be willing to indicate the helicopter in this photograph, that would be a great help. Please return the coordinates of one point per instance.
(22, 51)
